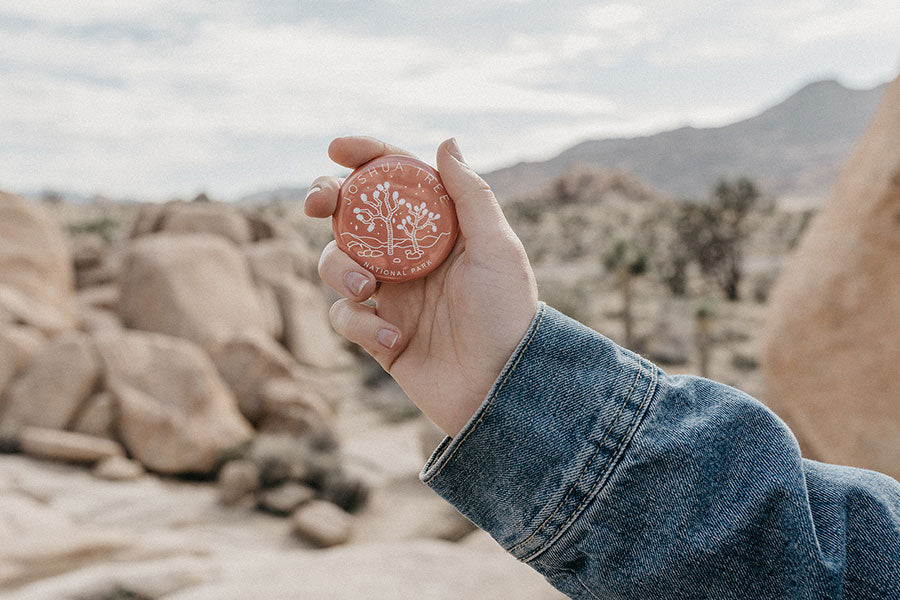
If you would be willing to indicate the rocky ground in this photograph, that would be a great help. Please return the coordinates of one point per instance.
(180, 422)
(68, 534)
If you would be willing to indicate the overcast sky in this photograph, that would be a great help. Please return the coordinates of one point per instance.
(163, 98)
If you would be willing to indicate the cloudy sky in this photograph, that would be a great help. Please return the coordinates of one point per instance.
(161, 98)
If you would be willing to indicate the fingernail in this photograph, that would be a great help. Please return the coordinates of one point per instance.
(387, 338)
(453, 149)
(313, 190)
(355, 282)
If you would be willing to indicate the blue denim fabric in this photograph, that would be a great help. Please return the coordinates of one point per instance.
(615, 480)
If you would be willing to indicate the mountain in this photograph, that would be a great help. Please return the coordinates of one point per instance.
(793, 149)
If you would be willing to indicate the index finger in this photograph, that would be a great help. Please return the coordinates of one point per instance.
(355, 150)
(321, 198)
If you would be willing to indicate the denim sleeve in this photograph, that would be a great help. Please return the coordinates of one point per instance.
(615, 480)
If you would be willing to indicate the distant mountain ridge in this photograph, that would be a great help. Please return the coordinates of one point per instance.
(793, 149)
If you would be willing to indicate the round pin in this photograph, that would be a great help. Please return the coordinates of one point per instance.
(395, 218)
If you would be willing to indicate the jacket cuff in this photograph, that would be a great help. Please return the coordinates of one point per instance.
(547, 437)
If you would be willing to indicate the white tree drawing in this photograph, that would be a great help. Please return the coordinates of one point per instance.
(382, 207)
(418, 218)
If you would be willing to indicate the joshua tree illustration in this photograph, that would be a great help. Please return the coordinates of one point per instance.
(417, 219)
(383, 205)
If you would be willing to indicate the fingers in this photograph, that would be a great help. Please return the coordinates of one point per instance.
(353, 151)
(321, 198)
(359, 324)
(477, 209)
(344, 275)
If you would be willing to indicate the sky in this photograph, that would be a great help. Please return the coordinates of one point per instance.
(154, 99)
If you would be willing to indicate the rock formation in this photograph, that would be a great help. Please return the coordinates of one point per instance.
(197, 287)
(54, 386)
(36, 279)
(175, 414)
(833, 328)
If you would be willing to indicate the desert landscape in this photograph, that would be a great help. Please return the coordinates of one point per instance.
(179, 421)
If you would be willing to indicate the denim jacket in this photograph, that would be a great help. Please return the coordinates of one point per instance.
(615, 480)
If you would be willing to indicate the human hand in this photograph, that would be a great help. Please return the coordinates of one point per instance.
(445, 337)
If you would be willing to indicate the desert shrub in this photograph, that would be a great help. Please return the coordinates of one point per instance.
(105, 226)
(744, 362)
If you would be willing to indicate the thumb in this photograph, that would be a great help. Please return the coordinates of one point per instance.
(477, 209)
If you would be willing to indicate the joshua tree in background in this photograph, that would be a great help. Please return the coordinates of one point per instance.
(703, 320)
(715, 233)
(626, 262)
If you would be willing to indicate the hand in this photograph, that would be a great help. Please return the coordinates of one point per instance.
(444, 338)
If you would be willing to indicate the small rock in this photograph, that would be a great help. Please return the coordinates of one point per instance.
(118, 468)
(285, 498)
(322, 523)
(237, 479)
(66, 445)
(101, 296)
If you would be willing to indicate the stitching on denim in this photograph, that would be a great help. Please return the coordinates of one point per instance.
(600, 478)
(490, 403)
(589, 462)
(585, 587)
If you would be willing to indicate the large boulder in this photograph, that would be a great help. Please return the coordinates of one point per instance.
(307, 333)
(196, 287)
(18, 345)
(36, 276)
(277, 260)
(831, 338)
(52, 389)
(246, 362)
(175, 415)
(216, 218)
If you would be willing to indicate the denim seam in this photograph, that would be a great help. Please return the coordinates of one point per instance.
(585, 587)
(587, 465)
(488, 406)
(601, 476)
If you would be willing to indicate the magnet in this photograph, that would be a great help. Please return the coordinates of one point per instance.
(395, 218)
